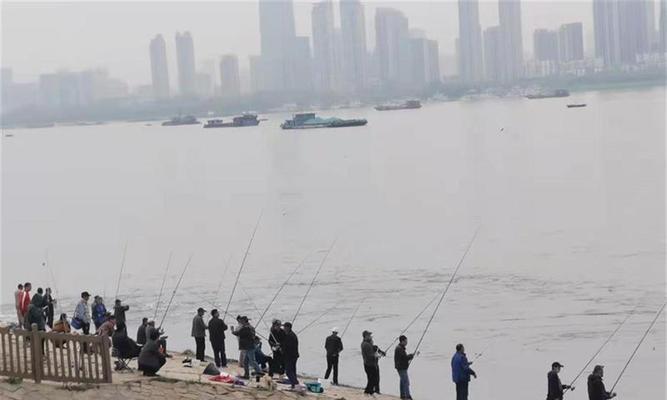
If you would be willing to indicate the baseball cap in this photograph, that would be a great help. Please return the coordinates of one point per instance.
(556, 364)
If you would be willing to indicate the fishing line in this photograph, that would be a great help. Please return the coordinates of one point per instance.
(173, 294)
(657, 315)
(122, 266)
(413, 321)
(446, 289)
(314, 278)
(317, 319)
(352, 317)
(164, 279)
(245, 256)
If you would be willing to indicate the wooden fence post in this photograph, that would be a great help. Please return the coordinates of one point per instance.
(106, 361)
(37, 362)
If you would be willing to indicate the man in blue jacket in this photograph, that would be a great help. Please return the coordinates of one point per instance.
(461, 372)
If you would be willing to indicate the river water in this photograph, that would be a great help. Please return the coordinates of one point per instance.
(570, 205)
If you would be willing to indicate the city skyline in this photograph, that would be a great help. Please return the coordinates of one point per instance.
(442, 27)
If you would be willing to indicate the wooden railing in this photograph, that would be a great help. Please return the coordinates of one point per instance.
(56, 357)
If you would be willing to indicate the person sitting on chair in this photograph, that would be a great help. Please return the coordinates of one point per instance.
(126, 347)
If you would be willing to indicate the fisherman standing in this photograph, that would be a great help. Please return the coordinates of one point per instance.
(24, 303)
(141, 331)
(371, 354)
(49, 304)
(99, 310)
(555, 387)
(401, 363)
(276, 336)
(596, 389)
(199, 333)
(119, 311)
(216, 330)
(290, 347)
(333, 345)
(461, 372)
(82, 313)
(246, 335)
(18, 295)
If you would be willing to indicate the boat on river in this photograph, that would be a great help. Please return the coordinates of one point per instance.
(247, 119)
(576, 105)
(186, 120)
(312, 121)
(408, 105)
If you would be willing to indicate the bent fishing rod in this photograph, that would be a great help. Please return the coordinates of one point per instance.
(413, 321)
(173, 294)
(657, 315)
(590, 360)
(449, 284)
(275, 296)
(352, 317)
(324, 259)
(164, 280)
(245, 256)
(120, 274)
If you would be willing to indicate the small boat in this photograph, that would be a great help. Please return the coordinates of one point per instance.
(187, 120)
(408, 105)
(576, 105)
(243, 120)
(547, 95)
(312, 121)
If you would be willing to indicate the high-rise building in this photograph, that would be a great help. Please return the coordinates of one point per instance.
(545, 45)
(392, 47)
(425, 61)
(185, 60)
(663, 26)
(493, 60)
(159, 69)
(353, 29)
(230, 81)
(256, 73)
(509, 15)
(277, 37)
(649, 17)
(324, 46)
(571, 42)
(304, 68)
(471, 68)
(621, 33)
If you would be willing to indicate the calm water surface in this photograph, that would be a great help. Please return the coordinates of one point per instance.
(570, 203)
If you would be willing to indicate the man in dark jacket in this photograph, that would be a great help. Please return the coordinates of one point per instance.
(199, 333)
(126, 347)
(596, 389)
(461, 372)
(401, 363)
(151, 358)
(371, 354)
(333, 345)
(141, 331)
(49, 304)
(276, 336)
(35, 313)
(290, 347)
(555, 388)
(119, 311)
(216, 330)
(246, 335)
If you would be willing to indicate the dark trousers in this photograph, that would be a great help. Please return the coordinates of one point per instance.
(151, 371)
(372, 379)
(462, 391)
(332, 363)
(290, 371)
(201, 347)
(219, 354)
(276, 366)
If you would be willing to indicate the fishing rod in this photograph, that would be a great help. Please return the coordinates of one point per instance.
(245, 256)
(413, 321)
(173, 294)
(314, 278)
(257, 311)
(446, 289)
(222, 277)
(56, 292)
(122, 266)
(352, 317)
(275, 296)
(657, 315)
(164, 279)
(317, 319)
(618, 327)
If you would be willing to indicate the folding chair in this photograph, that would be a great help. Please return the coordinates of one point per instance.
(122, 361)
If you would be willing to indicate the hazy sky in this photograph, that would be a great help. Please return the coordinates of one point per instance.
(44, 37)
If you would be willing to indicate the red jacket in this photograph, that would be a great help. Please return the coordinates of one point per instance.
(24, 302)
